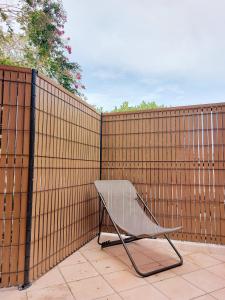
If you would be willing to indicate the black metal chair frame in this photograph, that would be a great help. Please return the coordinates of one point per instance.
(124, 241)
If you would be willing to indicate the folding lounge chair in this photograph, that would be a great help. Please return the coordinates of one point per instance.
(129, 213)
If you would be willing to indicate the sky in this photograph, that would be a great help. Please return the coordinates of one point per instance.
(168, 51)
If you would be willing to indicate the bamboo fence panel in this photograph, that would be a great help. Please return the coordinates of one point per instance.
(15, 90)
(175, 158)
(66, 163)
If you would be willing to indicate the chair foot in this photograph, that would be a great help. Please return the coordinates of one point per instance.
(131, 239)
(158, 270)
(118, 242)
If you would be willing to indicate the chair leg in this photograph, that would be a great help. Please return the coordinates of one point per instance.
(130, 239)
(101, 215)
(145, 274)
(118, 242)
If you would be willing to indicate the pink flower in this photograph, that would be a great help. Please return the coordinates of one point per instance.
(59, 32)
(69, 49)
(78, 76)
(76, 86)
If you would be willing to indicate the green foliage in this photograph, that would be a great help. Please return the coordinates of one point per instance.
(40, 42)
(98, 108)
(143, 105)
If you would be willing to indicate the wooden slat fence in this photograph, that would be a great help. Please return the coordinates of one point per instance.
(175, 158)
(66, 162)
(15, 90)
(50, 157)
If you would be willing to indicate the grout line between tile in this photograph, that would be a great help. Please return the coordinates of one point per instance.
(129, 269)
(66, 283)
(159, 290)
(216, 291)
(202, 296)
(198, 286)
(115, 292)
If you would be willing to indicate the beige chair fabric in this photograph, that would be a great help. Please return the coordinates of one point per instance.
(122, 203)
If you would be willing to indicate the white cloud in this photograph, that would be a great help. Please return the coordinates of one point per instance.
(161, 38)
(105, 74)
(97, 98)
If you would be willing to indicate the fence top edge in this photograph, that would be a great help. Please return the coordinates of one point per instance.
(15, 68)
(58, 86)
(174, 108)
(51, 81)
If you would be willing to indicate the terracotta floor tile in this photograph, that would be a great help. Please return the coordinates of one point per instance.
(133, 246)
(205, 280)
(153, 247)
(124, 280)
(185, 252)
(148, 267)
(201, 277)
(12, 294)
(143, 293)
(91, 245)
(78, 271)
(119, 249)
(219, 270)
(205, 297)
(51, 278)
(160, 276)
(160, 255)
(115, 250)
(125, 259)
(159, 247)
(73, 259)
(192, 247)
(139, 258)
(203, 260)
(91, 288)
(187, 267)
(57, 292)
(109, 265)
(220, 257)
(169, 262)
(217, 249)
(149, 243)
(95, 254)
(177, 288)
(147, 257)
(111, 297)
(220, 294)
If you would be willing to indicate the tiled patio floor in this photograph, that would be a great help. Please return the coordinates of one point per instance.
(92, 273)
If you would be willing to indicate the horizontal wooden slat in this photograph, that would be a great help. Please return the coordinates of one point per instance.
(15, 86)
(175, 158)
(66, 163)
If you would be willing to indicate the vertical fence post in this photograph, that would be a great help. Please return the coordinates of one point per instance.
(100, 175)
(27, 282)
